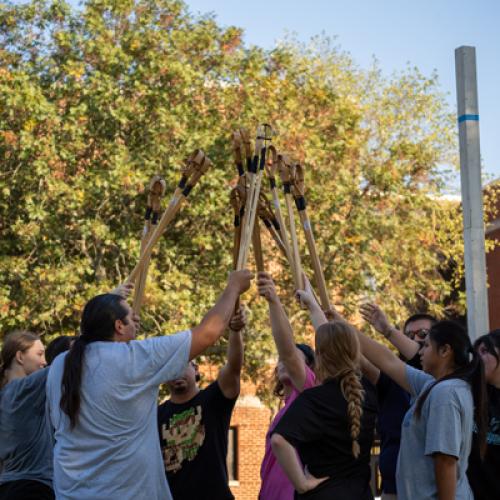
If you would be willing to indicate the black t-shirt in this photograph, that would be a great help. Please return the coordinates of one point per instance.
(393, 402)
(484, 477)
(317, 425)
(193, 439)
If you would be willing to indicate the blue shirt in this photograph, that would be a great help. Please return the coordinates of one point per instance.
(25, 438)
(113, 452)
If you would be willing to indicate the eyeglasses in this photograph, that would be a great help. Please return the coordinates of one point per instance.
(421, 333)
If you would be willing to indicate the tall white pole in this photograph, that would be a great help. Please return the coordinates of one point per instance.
(472, 195)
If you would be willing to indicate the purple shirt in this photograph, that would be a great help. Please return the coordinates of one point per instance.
(275, 484)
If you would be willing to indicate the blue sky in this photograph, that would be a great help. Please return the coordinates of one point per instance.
(423, 33)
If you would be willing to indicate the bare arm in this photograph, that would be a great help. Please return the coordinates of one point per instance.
(282, 332)
(384, 360)
(217, 319)
(377, 318)
(287, 457)
(307, 298)
(370, 371)
(445, 470)
(229, 375)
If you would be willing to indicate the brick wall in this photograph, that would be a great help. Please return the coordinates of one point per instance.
(251, 418)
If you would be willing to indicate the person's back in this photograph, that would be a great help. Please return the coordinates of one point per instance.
(25, 440)
(317, 424)
(113, 450)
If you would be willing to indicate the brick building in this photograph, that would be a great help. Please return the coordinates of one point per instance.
(493, 259)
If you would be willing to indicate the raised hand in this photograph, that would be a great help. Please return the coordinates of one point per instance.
(306, 297)
(239, 320)
(240, 280)
(266, 288)
(376, 317)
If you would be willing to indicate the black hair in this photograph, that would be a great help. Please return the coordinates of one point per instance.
(308, 353)
(97, 324)
(57, 346)
(491, 342)
(471, 370)
(418, 317)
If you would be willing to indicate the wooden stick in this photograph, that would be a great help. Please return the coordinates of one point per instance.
(257, 247)
(271, 169)
(157, 188)
(300, 202)
(285, 174)
(263, 134)
(198, 165)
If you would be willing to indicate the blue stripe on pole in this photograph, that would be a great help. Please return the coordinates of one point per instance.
(464, 118)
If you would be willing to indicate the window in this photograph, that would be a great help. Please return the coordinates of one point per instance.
(232, 455)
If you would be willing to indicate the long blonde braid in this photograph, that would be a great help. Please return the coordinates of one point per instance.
(338, 357)
(354, 394)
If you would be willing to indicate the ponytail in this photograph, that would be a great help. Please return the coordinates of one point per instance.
(97, 324)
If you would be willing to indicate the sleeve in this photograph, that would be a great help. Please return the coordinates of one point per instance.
(310, 379)
(444, 413)
(299, 424)
(417, 379)
(159, 359)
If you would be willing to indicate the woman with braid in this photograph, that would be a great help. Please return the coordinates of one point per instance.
(330, 426)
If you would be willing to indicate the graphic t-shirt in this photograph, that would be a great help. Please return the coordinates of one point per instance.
(25, 437)
(318, 426)
(113, 452)
(275, 485)
(484, 475)
(444, 426)
(193, 440)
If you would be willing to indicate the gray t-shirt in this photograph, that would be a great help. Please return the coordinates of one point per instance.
(445, 426)
(113, 452)
(25, 438)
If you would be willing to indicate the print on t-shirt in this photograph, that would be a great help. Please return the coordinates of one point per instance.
(183, 438)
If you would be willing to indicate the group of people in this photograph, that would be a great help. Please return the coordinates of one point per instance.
(89, 426)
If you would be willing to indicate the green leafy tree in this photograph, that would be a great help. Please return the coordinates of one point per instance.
(95, 101)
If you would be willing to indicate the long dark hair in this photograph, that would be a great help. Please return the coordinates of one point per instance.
(18, 340)
(491, 342)
(471, 370)
(97, 324)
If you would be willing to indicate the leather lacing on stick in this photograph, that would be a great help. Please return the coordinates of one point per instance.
(157, 188)
(196, 165)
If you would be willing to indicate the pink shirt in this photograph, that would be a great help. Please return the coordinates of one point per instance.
(275, 485)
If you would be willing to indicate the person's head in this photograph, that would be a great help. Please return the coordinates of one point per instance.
(447, 354)
(338, 357)
(187, 382)
(22, 352)
(106, 317)
(57, 346)
(417, 326)
(488, 348)
(282, 378)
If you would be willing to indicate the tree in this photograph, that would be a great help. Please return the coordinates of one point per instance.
(93, 102)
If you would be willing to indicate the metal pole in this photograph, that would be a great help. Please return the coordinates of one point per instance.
(472, 195)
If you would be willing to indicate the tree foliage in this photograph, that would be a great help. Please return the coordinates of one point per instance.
(95, 101)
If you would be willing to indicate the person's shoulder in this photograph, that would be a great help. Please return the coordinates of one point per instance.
(451, 389)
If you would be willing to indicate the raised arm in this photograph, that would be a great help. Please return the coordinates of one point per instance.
(282, 332)
(217, 319)
(229, 375)
(376, 317)
(384, 360)
(307, 298)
